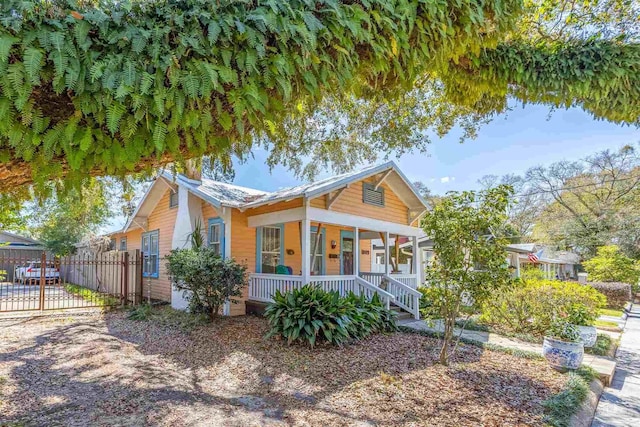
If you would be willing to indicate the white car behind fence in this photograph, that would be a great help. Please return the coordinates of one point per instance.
(31, 273)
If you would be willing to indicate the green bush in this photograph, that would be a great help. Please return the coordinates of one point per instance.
(617, 293)
(309, 315)
(603, 346)
(427, 308)
(207, 280)
(611, 265)
(559, 408)
(530, 272)
(531, 306)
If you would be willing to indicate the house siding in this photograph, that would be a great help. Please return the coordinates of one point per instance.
(243, 250)
(163, 219)
(280, 206)
(208, 212)
(350, 202)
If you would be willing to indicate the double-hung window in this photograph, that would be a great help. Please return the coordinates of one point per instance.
(317, 267)
(150, 250)
(123, 243)
(270, 246)
(216, 235)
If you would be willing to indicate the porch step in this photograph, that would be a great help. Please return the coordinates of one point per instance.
(402, 315)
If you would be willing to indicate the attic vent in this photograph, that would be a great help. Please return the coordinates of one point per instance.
(372, 196)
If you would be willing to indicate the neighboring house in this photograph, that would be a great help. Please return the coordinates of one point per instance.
(425, 253)
(16, 250)
(555, 264)
(405, 265)
(314, 233)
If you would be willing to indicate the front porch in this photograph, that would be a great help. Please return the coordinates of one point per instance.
(392, 290)
(336, 257)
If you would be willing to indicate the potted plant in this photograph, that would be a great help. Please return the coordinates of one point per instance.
(582, 318)
(563, 347)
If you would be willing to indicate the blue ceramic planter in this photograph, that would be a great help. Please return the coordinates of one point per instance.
(588, 334)
(563, 355)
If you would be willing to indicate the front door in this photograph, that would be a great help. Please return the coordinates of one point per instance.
(346, 253)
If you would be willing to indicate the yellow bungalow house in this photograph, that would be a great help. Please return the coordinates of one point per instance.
(316, 233)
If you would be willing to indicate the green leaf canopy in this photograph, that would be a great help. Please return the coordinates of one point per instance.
(92, 87)
(106, 87)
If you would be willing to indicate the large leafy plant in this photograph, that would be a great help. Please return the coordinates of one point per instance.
(562, 330)
(310, 315)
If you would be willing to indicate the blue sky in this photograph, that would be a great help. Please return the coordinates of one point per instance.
(512, 143)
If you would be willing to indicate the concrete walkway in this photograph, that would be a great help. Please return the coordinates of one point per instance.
(604, 366)
(620, 403)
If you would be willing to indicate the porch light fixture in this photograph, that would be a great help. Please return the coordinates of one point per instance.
(333, 244)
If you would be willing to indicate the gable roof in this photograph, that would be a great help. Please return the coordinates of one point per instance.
(223, 194)
(318, 188)
(17, 240)
(522, 248)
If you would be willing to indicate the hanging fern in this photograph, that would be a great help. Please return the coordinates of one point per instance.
(105, 86)
(600, 76)
(147, 82)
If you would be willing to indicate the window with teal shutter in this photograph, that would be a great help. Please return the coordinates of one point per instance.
(150, 252)
(216, 235)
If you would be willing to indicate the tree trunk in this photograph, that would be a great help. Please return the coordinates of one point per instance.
(448, 335)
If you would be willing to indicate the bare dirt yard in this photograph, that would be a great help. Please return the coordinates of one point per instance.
(107, 370)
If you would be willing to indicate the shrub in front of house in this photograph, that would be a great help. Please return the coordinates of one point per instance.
(310, 315)
(530, 307)
(617, 293)
(206, 279)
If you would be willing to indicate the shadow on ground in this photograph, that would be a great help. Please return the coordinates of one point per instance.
(108, 370)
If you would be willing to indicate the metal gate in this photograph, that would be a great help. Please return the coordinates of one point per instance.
(80, 281)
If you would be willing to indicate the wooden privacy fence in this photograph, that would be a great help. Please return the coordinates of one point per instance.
(84, 280)
(113, 272)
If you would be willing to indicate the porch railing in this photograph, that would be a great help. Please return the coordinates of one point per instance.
(409, 280)
(373, 278)
(368, 289)
(262, 287)
(406, 297)
(342, 284)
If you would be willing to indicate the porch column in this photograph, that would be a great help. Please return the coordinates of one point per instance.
(356, 250)
(517, 265)
(414, 257)
(420, 272)
(306, 250)
(386, 252)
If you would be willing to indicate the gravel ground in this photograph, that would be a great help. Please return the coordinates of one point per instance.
(108, 370)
